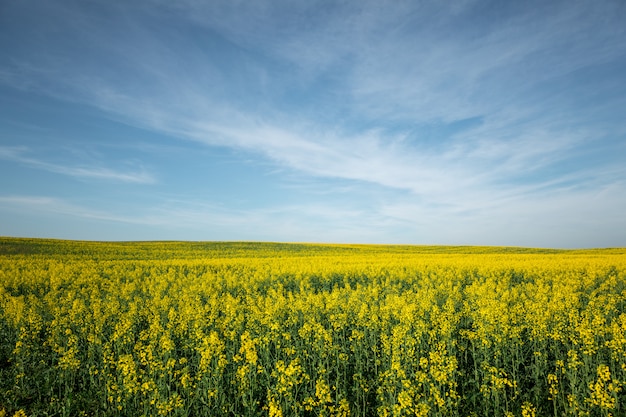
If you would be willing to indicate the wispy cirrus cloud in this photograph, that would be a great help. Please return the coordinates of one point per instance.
(461, 113)
(180, 219)
(19, 155)
(418, 74)
(56, 206)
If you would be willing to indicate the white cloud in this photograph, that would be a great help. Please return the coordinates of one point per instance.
(17, 154)
(380, 73)
(587, 218)
(54, 205)
(175, 219)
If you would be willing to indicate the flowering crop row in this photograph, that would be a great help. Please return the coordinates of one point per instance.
(254, 329)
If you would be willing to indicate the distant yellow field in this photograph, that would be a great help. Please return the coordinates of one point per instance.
(258, 329)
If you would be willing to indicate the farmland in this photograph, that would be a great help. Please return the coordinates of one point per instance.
(271, 329)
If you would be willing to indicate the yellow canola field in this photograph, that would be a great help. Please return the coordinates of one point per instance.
(263, 329)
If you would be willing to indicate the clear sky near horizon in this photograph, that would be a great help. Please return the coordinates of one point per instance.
(420, 122)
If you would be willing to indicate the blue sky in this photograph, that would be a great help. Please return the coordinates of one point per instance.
(422, 122)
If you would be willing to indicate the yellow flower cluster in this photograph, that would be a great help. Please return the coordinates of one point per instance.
(249, 329)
